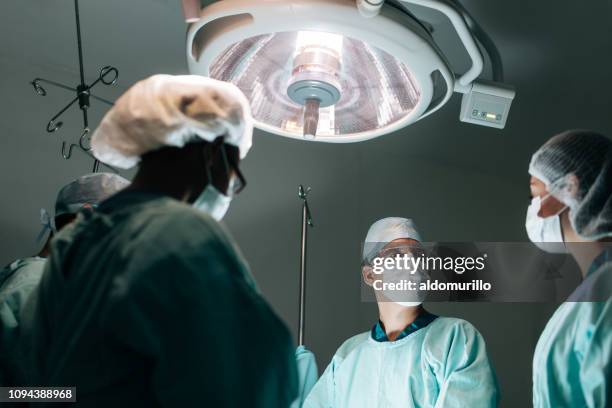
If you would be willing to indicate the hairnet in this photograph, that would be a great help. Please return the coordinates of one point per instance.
(576, 167)
(167, 110)
(90, 189)
(386, 230)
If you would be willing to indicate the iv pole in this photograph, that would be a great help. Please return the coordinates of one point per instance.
(306, 222)
(108, 76)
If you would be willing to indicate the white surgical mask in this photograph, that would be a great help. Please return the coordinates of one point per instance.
(408, 304)
(213, 202)
(405, 298)
(545, 233)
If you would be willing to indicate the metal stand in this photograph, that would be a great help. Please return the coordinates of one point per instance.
(306, 221)
(108, 76)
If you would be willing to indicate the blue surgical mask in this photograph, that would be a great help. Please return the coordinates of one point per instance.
(213, 202)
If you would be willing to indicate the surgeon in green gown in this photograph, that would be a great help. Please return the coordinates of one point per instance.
(571, 211)
(147, 301)
(19, 279)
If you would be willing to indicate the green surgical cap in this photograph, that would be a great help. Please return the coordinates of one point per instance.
(90, 189)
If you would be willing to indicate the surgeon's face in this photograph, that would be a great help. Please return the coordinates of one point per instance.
(392, 266)
(549, 206)
(394, 248)
(400, 246)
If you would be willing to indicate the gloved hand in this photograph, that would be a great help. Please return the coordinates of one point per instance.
(307, 374)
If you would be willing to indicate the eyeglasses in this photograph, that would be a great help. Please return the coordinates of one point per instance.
(237, 181)
(411, 250)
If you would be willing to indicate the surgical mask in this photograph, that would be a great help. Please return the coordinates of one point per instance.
(48, 224)
(545, 233)
(408, 304)
(213, 202)
(405, 298)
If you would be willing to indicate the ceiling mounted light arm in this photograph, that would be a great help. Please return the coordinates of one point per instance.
(369, 8)
(463, 85)
(497, 68)
(191, 10)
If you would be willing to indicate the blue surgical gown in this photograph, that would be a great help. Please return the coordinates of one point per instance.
(439, 362)
(572, 365)
(148, 302)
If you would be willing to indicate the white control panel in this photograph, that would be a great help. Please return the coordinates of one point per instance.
(487, 104)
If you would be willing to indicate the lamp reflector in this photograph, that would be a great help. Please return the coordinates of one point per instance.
(356, 87)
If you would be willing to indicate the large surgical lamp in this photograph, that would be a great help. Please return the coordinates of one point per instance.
(338, 70)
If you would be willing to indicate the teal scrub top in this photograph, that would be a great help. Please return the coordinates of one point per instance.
(18, 281)
(435, 362)
(307, 374)
(572, 365)
(148, 302)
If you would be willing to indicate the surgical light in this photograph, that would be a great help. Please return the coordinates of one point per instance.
(320, 70)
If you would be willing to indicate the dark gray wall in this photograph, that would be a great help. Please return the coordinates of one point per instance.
(459, 182)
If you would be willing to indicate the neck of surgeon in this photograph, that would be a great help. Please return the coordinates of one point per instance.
(395, 318)
(583, 251)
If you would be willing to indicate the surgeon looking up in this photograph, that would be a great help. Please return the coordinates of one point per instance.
(410, 358)
(571, 211)
(148, 301)
(19, 279)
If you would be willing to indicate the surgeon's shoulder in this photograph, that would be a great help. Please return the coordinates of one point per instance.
(20, 273)
(451, 335)
(352, 344)
(452, 328)
(174, 229)
(596, 287)
(172, 220)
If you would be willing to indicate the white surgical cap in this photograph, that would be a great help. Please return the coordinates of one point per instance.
(576, 167)
(90, 189)
(168, 110)
(386, 230)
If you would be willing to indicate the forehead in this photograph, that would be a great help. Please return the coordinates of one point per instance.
(402, 243)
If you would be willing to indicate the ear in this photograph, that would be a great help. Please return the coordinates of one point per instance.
(550, 206)
(571, 185)
(368, 275)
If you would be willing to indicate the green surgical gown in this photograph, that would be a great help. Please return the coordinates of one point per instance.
(17, 282)
(147, 302)
(572, 365)
(439, 363)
